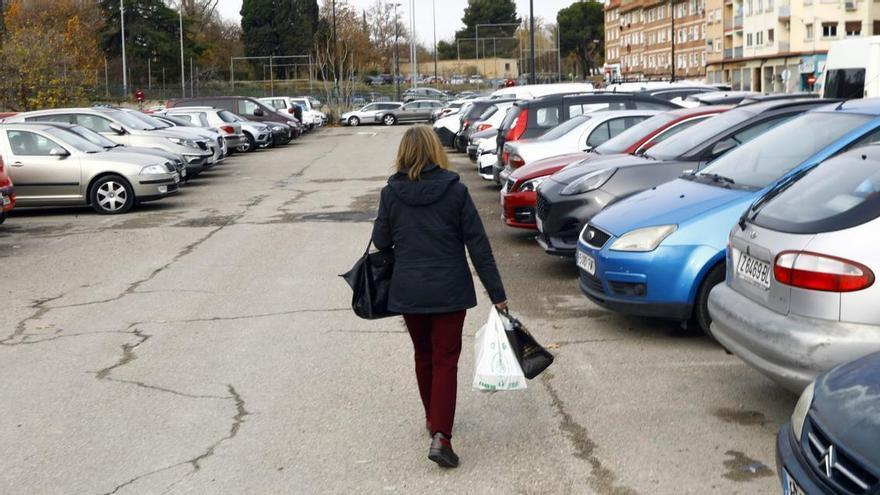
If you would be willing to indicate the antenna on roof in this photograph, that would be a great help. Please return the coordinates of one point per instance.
(841, 105)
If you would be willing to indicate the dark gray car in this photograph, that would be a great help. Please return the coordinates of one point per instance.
(414, 111)
(570, 197)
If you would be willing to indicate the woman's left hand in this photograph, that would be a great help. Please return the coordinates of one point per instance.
(502, 306)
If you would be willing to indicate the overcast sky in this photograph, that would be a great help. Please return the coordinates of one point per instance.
(449, 14)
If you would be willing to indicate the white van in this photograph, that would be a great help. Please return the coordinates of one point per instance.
(852, 69)
(532, 91)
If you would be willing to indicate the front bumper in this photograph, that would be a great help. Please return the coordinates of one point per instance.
(447, 137)
(151, 188)
(518, 209)
(791, 350)
(195, 163)
(472, 150)
(562, 218)
(486, 164)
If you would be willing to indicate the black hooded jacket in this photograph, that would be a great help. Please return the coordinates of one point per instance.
(428, 223)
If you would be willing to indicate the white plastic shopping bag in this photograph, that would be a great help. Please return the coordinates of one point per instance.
(495, 364)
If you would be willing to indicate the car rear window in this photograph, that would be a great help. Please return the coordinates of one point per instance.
(631, 136)
(543, 117)
(511, 116)
(691, 138)
(564, 128)
(844, 83)
(841, 193)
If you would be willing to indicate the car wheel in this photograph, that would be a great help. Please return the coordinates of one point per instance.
(701, 309)
(354, 121)
(389, 119)
(3, 215)
(111, 194)
(250, 145)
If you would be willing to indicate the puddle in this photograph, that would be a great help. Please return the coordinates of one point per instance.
(208, 221)
(740, 467)
(330, 216)
(740, 417)
(351, 179)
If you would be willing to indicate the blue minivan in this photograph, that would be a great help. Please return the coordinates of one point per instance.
(659, 253)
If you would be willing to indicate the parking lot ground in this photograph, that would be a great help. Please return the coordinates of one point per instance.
(204, 344)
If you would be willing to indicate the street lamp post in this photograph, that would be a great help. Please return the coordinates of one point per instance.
(122, 31)
(413, 56)
(434, 16)
(533, 79)
(672, 3)
(182, 66)
(396, 54)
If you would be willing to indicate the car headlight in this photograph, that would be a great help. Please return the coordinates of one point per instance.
(530, 185)
(589, 182)
(154, 170)
(644, 239)
(184, 142)
(800, 411)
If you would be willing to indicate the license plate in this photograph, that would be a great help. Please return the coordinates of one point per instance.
(753, 270)
(586, 263)
(5, 199)
(789, 485)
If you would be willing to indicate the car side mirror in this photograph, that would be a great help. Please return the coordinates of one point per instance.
(689, 171)
(722, 147)
(118, 129)
(588, 148)
(59, 152)
(258, 112)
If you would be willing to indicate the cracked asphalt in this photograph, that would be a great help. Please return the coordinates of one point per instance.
(203, 344)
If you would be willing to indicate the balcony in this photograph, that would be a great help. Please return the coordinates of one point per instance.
(728, 24)
(738, 52)
(728, 53)
(784, 12)
(738, 22)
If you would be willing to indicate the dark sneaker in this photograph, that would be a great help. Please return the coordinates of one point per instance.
(441, 451)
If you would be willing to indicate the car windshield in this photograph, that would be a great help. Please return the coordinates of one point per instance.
(178, 121)
(631, 136)
(156, 123)
(74, 140)
(689, 139)
(128, 120)
(839, 194)
(93, 137)
(772, 154)
(564, 128)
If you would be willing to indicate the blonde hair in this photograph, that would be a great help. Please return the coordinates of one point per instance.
(419, 148)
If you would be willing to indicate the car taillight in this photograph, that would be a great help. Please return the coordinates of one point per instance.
(228, 129)
(483, 127)
(518, 128)
(516, 161)
(815, 271)
(465, 124)
(2, 165)
(505, 156)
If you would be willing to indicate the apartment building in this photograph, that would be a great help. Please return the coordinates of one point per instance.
(639, 38)
(780, 45)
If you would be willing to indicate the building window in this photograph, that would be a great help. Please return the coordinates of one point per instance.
(769, 5)
(759, 38)
(876, 27)
(809, 31)
(854, 28)
(749, 39)
(760, 5)
(829, 30)
(750, 11)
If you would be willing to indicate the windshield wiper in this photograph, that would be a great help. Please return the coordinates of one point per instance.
(774, 191)
(719, 179)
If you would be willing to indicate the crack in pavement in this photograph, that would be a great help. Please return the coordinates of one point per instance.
(41, 309)
(602, 478)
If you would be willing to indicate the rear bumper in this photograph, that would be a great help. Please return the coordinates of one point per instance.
(7, 193)
(791, 350)
(234, 140)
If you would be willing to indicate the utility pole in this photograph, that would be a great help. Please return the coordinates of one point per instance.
(335, 56)
(533, 79)
(434, 16)
(191, 77)
(396, 54)
(412, 44)
(122, 31)
(149, 75)
(672, 4)
(182, 66)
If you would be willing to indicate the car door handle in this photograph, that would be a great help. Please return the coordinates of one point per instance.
(17, 164)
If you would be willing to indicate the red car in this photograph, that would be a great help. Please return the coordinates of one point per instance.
(7, 193)
(518, 196)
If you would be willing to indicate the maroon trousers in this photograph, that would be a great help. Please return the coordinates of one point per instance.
(437, 342)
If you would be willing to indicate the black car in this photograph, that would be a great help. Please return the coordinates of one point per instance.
(572, 196)
(477, 110)
(531, 118)
(831, 443)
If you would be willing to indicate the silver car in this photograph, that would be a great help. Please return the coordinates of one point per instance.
(122, 128)
(210, 137)
(222, 121)
(801, 296)
(52, 166)
(367, 114)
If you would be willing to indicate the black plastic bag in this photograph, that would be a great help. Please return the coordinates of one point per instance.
(532, 357)
(370, 279)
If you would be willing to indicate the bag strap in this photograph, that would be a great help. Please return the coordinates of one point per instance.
(369, 243)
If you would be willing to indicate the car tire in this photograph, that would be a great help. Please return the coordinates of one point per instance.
(3, 215)
(354, 121)
(701, 308)
(389, 119)
(111, 195)
(251, 145)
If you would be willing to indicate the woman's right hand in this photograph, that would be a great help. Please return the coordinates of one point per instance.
(502, 306)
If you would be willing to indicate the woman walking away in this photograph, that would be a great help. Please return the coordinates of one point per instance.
(428, 218)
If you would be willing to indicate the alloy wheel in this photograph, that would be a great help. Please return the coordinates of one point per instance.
(112, 196)
(354, 121)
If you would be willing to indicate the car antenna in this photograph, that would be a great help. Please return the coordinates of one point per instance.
(840, 105)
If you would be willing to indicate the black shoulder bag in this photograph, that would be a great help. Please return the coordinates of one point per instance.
(370, 279)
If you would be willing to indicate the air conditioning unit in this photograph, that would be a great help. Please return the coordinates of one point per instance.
(849, 4)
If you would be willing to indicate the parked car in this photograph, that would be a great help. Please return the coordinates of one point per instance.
(800, 296)
(256, 134)
(122, 128)
(216, 144)
(520, 196)
(212, 118)
(531, 118)
(367, 114)
(450, 108)
(423, 94)
(531, 91)
(52, 166)
(479, 109)
(486, 126)
(244, 106)
(110, 146)
(716, 98)
(310, 107)
(830, 443)
(852, 68)
(7, 192)
(662, 251)
(571, 197)
(414, 111)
